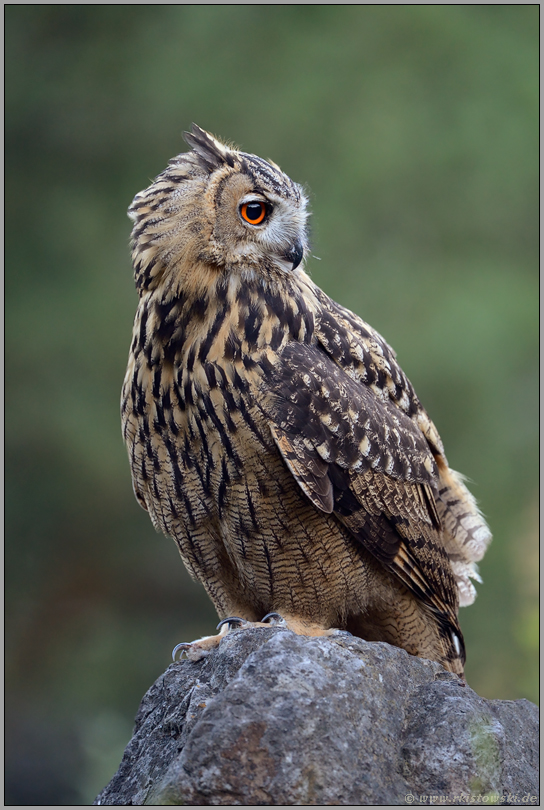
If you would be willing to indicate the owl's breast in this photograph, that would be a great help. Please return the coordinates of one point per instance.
(192, 430)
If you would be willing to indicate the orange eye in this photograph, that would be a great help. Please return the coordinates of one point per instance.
(253, 212)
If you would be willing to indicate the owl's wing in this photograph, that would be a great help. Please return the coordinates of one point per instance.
(365, 356)
(362, 458)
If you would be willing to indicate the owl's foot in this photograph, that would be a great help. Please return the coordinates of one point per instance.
(196, 650)
(296, 624)
(303, 627)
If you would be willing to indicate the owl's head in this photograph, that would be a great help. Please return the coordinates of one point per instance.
(218, 207)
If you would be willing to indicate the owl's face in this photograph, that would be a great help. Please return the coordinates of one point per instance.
(218, 207)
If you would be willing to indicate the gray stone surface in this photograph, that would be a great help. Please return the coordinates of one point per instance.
(271, 718)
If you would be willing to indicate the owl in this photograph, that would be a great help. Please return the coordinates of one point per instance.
(272, 433)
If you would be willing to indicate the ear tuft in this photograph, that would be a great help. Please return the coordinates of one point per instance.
(211, 152)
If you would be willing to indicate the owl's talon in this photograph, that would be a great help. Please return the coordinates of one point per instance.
(235, 621)
(184, 646)
(273, 615)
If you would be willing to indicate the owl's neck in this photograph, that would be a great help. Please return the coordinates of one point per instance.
(224, 316)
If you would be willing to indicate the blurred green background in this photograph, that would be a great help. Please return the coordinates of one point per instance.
(414, 128)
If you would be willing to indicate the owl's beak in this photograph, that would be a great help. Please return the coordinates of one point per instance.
(294, 254)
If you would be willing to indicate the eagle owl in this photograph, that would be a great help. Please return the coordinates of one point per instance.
(272, 433)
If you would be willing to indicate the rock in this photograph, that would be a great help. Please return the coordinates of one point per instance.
(272, 718)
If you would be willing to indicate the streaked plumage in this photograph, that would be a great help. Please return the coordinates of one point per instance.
(272, 433)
